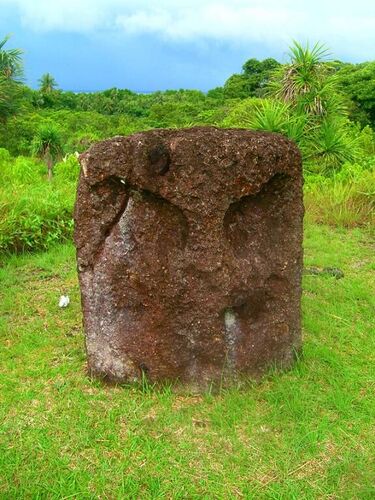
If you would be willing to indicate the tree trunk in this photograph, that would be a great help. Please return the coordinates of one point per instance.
(49, 166)
(48, 159)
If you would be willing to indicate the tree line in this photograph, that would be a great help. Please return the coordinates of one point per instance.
(325, 105)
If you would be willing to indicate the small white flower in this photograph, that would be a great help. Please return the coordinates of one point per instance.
(64, 301)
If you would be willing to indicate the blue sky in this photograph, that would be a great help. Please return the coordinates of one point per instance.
(147, 45)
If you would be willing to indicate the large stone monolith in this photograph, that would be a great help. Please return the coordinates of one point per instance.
(189, 246)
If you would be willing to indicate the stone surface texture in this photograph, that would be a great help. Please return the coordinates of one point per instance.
(189, 248)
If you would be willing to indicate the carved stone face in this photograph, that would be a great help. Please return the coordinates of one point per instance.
(189, 246)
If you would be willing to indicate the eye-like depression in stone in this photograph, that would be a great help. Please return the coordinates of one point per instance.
(189, 248)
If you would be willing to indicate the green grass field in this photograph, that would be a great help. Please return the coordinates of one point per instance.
(305, 434)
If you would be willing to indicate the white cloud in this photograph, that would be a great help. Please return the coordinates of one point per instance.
(212, 20)
(338, 22)
(66, 15)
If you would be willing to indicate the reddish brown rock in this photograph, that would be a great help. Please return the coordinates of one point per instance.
(189, 247)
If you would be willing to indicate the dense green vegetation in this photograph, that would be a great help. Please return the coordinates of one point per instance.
(326, 107)
(35, 213)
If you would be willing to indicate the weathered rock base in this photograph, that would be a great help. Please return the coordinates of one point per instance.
(189, 248)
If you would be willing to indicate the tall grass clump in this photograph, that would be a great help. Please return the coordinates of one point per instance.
(35, 213)
(346, 198)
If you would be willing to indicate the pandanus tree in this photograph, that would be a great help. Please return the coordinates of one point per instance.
(47, 145)
(303, 82)
(305, 104)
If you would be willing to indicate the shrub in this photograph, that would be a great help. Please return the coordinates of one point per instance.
(35, 213)
(67, 171)
(4, 155)
(242, 113)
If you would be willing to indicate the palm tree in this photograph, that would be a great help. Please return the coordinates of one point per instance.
(47, 146)
(47, 83)
(11, 67)
(11, 73)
